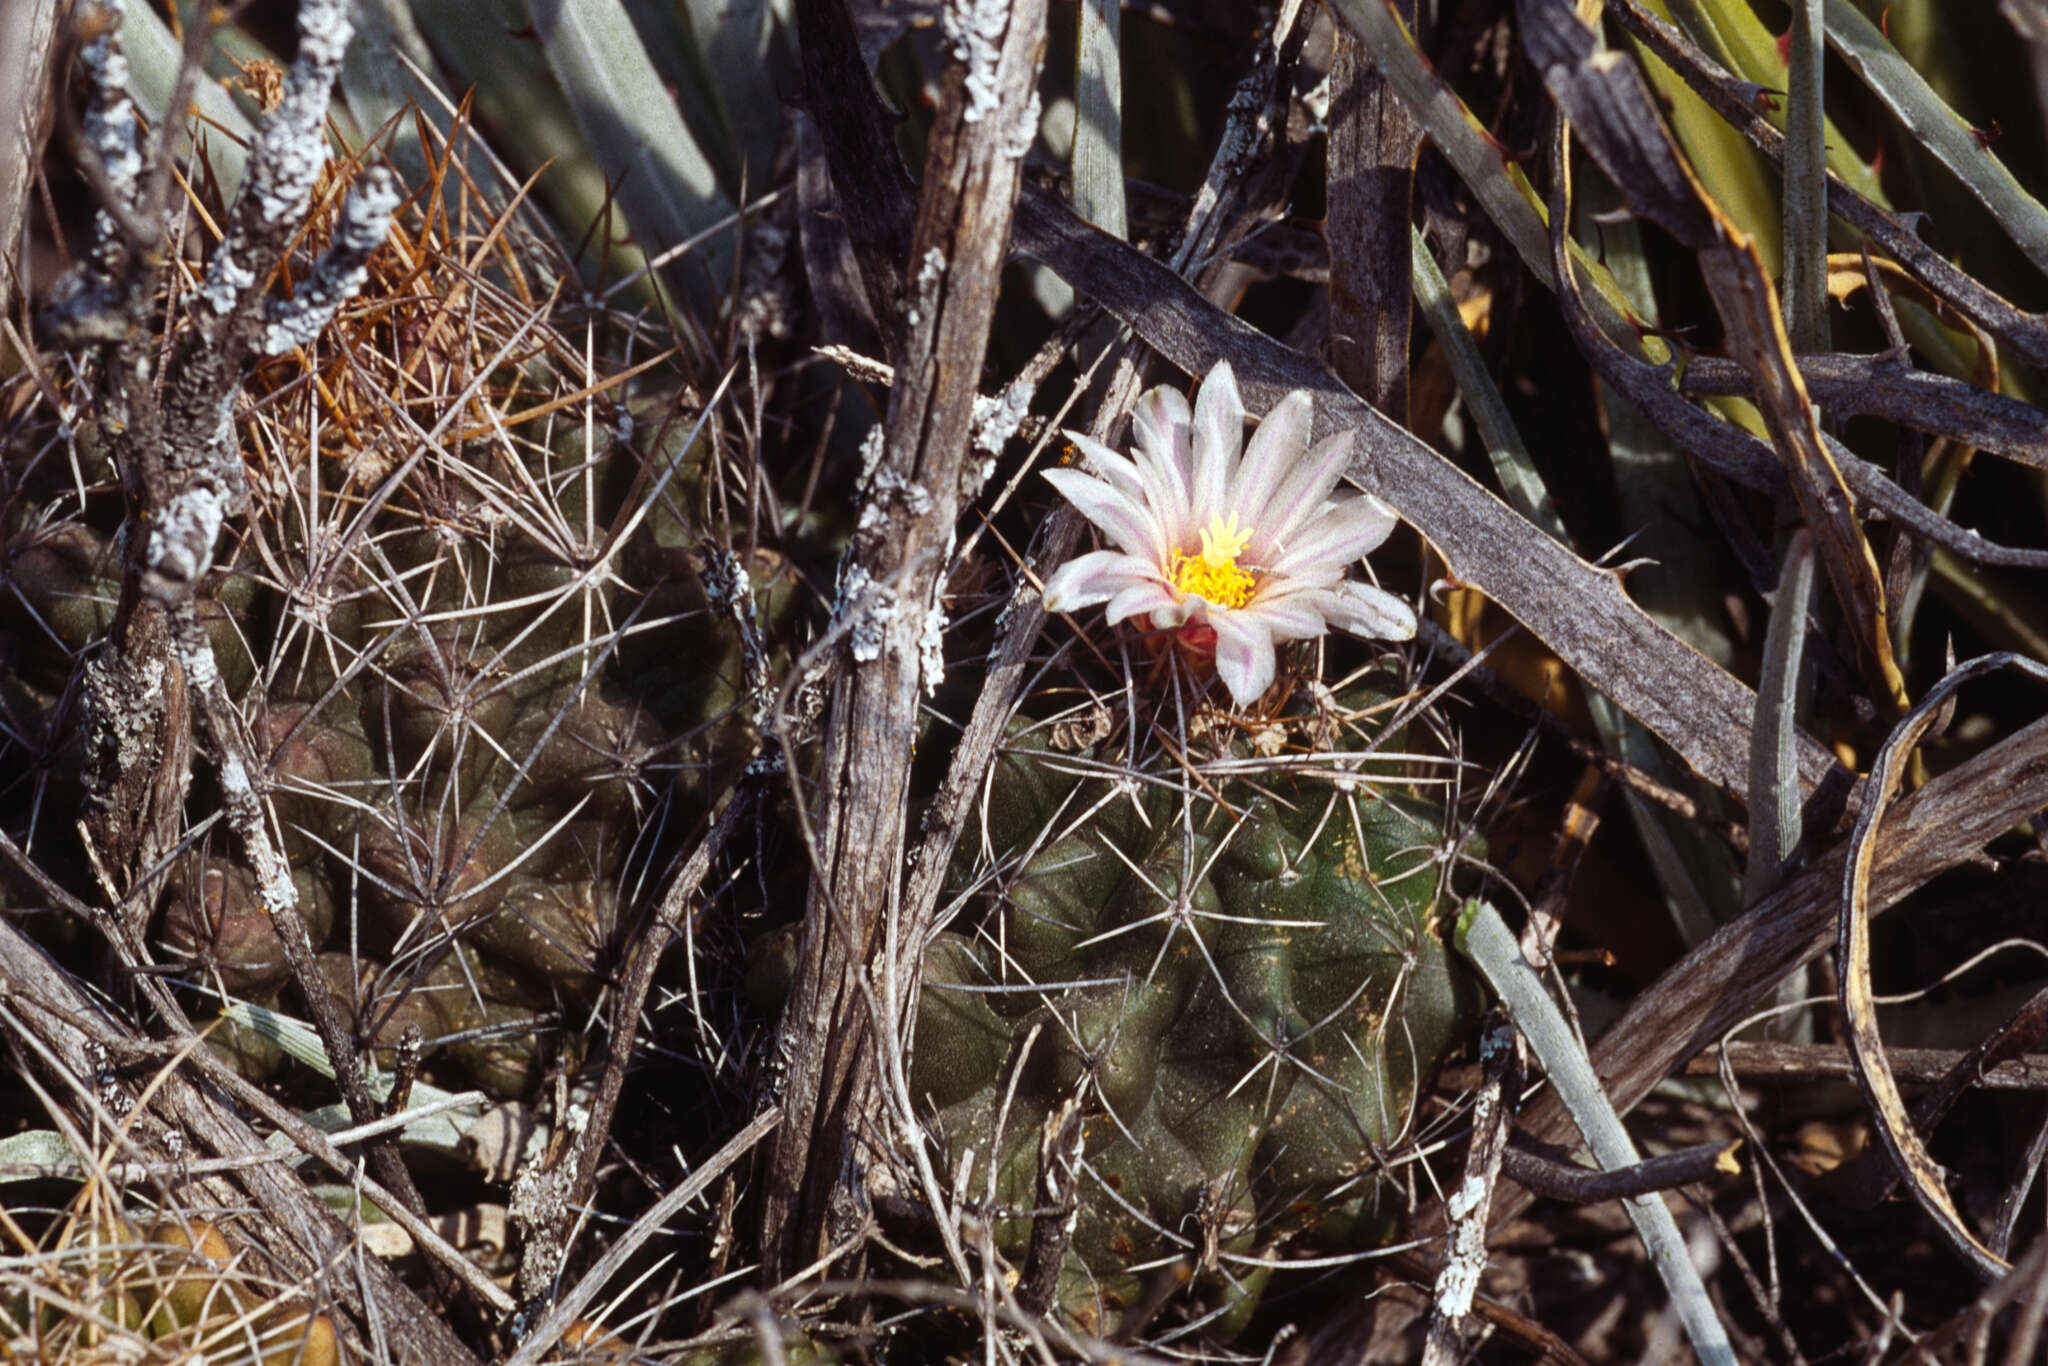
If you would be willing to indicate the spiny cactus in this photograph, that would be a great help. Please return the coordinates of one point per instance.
(112, 1288)
(451, 621)
(1235, 969)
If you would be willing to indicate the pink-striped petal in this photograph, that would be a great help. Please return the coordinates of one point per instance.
(1095, 577)
(1218, 436)
(1305, 490)
(1179, 611)
(1244, 655)
(1343, 532)
(1160, 422)
(1166, 490)
(1290, 615)
(1373, 613)
(1124, 519)
(1269, 457)
(1120, 470)
(1148, 596)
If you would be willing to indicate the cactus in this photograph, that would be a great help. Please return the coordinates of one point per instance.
(171, 1289)
(1238, 973)
(455, 654)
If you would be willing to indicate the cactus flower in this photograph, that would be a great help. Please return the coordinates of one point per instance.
(1234, 546)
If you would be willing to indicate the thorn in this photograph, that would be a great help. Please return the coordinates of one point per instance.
(1762, 98)
(1445, 586)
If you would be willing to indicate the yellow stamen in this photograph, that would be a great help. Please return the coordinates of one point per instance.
(1215, 573)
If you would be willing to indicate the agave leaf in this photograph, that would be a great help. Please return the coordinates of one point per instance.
(1733, 171)
(518, 98)
(667, 187)
(1730, 30)
(449, 1116)
(737, 49)
(35, 1155)
(1938, 128)
(1099, 118)
(1499, 185)
(379, 81)
(153, 59)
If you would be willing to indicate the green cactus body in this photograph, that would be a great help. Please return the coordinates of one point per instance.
(1244, 986)
(482, 617)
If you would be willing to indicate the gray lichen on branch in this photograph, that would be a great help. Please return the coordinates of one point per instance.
(182, 468)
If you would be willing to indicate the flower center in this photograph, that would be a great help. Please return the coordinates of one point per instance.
(1215, 573)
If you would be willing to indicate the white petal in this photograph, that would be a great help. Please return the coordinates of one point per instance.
(1371, 612)
(1149, 595)
(1124, 519)
(1300, 495)
(1290, 615)
(1095, 577)
(1244, 655)
(1218, 434)
(1160, 423)
(1270, 456)
(1177, 612)
(1166, 489)
(1342, 532)
(1118, 469)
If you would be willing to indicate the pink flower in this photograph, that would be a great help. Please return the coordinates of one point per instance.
(1235, 552)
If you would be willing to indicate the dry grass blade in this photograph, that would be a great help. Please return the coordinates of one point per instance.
(1880, 386)
(545, 1334)
(50, 1018)
(1872, 1177)
(1852, 965)
(1919, 1066)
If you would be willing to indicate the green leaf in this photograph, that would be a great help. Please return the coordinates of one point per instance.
(1492, 947)
(663, 181)
(1938, 128)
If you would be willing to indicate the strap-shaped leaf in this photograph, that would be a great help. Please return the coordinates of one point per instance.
(1616, 119)
(1938, 128)
(1489, 944)
(663, 181)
